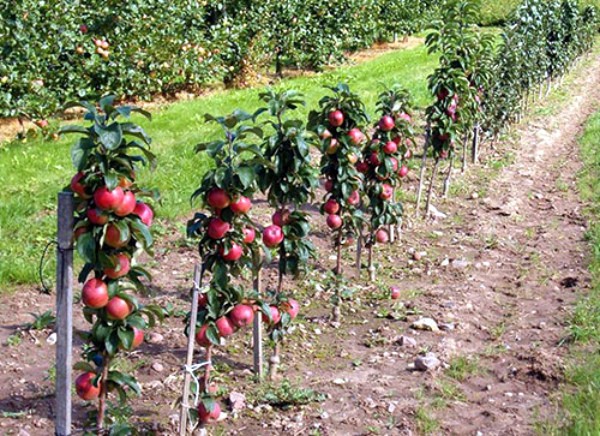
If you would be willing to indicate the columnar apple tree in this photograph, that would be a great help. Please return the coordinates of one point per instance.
(289, 182)
(112, 229)
(228, 245)
(384, 164)
(340, 123)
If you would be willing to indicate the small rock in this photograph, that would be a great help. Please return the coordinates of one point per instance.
(460, 264)
(445, 262)
(339, 381)
(155, 338)
(435, 213)
(51, 339)
(406, 341)
(425, 324)
(23, 432)
(446, 326)
(237, 401)
(474, 196)
(416, 255)
(157, 366)
(429, 362)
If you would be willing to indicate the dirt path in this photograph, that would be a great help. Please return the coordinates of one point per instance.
(499, 274)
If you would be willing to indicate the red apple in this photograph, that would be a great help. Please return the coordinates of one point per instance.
(408, 154)
(234, 253)
(205, 416)
(241, 315)
(333, 146)
(404, 116)
(108, 200)
(386, 192)
(362, 167)
(395, 292)
(241, 206)
(80, 231)
(293, 308)
(144, 212)
(127, 205)
(77, 187)
(138, 338)
(121, 269)
(225, 326)
(386, 123)
(403, 171)
(374, 159)
(42, 124)
(275, 316)
(218, 198)
(352, 158)
(397, 140)
(201, 338)
(97, 217)
(336, 118)
(442, 94)
(394, 164)
(354, 198)
(329, 185)
(83, 28)
(85, 388)
(331, 207)
(326, 134)
(272, 236)
(94, 293)
(390, 147)
(356, 136)
(118, 308)
(249, 235)
(382, 236)
(113, 237)
(334, 221)
(281, 218)
(217, 228)
(202, 300)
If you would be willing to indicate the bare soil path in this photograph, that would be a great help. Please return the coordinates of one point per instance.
(499, 274)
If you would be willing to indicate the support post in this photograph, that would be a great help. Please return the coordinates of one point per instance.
(422, 171)
(475, 149)
(64, 313)
(183, 421)
(257, 335)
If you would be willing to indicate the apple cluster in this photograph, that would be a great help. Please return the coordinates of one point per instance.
(105, 214)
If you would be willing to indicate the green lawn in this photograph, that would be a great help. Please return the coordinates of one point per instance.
(582, 404)
(32, 173)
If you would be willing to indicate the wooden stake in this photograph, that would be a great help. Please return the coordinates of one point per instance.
(430, 190)
(103, 394)
(475, 149)
(464, 153)
(359, 245)
(422, 171)
(64, 314)
(257, 334)
(183, 421)
(392, 227)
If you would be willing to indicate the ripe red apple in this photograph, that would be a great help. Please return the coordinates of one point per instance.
(397, 140)
(218, 198)
(331, 207)
(201, 338)
(395, 292)
(293, 308)
(333, 146)
(77, 187)
(118, 308)
(241, 206)
(272, 236)
(80, 231)
(356, 136)
(336, 118)
(354, 198)
(382, 236)
(225, 326)
(108, 200)
(442, 94)
(217, 228)
(83, 28)
(275, 316)
(386, 123)
(404, 116)
(97, 217)
(394, 164)
(374, 159)
(249, 235)
(386, 192)
(127, 205)
(234, 253)
(281, 217)
(362, 167)
(42, 124)
(113, 237)
(390, 147)
(144, 212)
(334, 221)
(94, 293)
(241, 315)
(205, 416)
(121, 269)
(403, 171)
(329, 185)
(138, 338)
(202, 300)
(85, 388)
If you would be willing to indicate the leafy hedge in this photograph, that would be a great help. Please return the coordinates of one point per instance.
(56, 51)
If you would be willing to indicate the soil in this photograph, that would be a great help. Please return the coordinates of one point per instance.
(500, 273)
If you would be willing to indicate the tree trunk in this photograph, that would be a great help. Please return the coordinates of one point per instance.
(422, 172)
(475, 149)
(336, 313)
(430, 190)
(359, 245)
(448, 177)
(464, 153)
(103, 394)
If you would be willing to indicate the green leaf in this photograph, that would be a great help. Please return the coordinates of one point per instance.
(86, 247)
(84, 366)
(110, 136)
(126, 338)
(246, 176)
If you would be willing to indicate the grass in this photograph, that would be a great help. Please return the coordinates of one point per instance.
(33, 172)
(581, 400)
